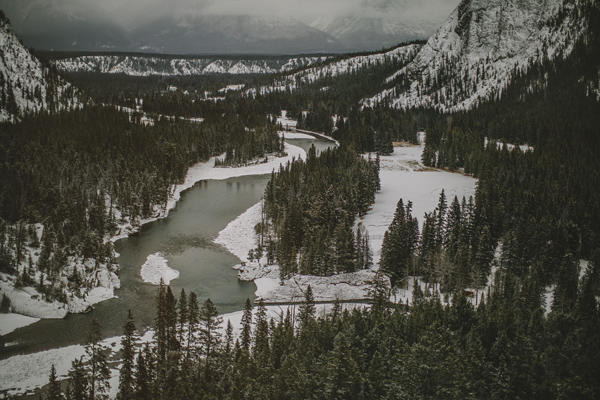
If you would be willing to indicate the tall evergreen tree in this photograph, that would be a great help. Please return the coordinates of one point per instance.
(246, 334)
(54, 390)
(126, 374)
(261, 336)
(78, 381)
(193, 325)
(98, 371)
(307, 311)
(210, 336)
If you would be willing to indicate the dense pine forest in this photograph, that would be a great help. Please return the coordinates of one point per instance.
(82, 174)
(310, 209)
(497, 350)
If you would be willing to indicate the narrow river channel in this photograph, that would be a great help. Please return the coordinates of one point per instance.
(185, 238)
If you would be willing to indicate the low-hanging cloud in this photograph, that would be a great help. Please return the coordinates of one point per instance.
(420, 10)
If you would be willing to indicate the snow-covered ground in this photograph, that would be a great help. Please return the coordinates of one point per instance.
(296, 135)
(403, 176)
(24, 373)
(509, 146)
(10, 322)
(286, 121)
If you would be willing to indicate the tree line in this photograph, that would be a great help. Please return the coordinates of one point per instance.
(505, 347)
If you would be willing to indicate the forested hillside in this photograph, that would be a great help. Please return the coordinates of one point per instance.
(27, 85)
(84, 175)
(310, 209)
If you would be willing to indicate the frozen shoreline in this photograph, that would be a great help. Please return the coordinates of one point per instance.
(22, 373)
(403, 176)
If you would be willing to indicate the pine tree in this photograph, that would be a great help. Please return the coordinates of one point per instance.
(183, 315)
(78, 381)
(54, 390)
(307, 311)
(142, 376)
(193, 323)
(343, 379)
(98, 371)
(261, 336)
(246, 328)
(171, 320)
(210, 337)
(126, 374)
(160, 323)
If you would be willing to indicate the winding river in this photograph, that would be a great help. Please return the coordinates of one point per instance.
(185, 238)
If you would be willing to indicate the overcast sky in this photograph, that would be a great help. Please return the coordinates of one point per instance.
(132, 12)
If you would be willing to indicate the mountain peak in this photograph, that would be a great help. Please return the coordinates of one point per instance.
(474, 54)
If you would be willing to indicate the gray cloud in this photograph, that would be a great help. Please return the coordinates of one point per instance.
(162, 25)
(134, 12)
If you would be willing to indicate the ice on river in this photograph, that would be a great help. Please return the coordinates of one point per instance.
(156, 268)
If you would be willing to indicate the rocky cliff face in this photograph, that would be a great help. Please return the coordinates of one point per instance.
(27, 86)
(473, 56)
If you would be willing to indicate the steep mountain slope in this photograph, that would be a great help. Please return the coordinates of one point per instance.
(376, 24)
(166, 66)
(343, 66)
(474, 55)
(26, 85)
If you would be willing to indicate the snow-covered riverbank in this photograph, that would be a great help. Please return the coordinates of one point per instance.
(403, 176)
(24, 373)
(27, 301)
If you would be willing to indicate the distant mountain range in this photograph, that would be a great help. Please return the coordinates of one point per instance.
(68, 25)
(146, 65)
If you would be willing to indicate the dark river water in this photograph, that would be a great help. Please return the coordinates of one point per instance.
(185, 238)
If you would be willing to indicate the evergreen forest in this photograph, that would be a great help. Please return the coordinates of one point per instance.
(509, 304)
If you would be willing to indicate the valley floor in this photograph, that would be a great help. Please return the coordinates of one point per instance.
(402, 176)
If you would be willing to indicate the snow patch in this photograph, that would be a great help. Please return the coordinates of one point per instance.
(156, 268)
(11, 322)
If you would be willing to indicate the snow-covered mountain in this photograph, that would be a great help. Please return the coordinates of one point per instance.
(231, 34)
(26, 85)
(147, 66)
(341, 66)
(476, 52)
(377, 24)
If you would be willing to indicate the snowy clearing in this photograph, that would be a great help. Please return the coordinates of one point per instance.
(286, 121)
(403, 176)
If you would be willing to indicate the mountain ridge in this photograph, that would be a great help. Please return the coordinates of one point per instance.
(26, 85)
(475, 54)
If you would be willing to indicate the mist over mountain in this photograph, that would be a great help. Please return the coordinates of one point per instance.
(226, 26)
